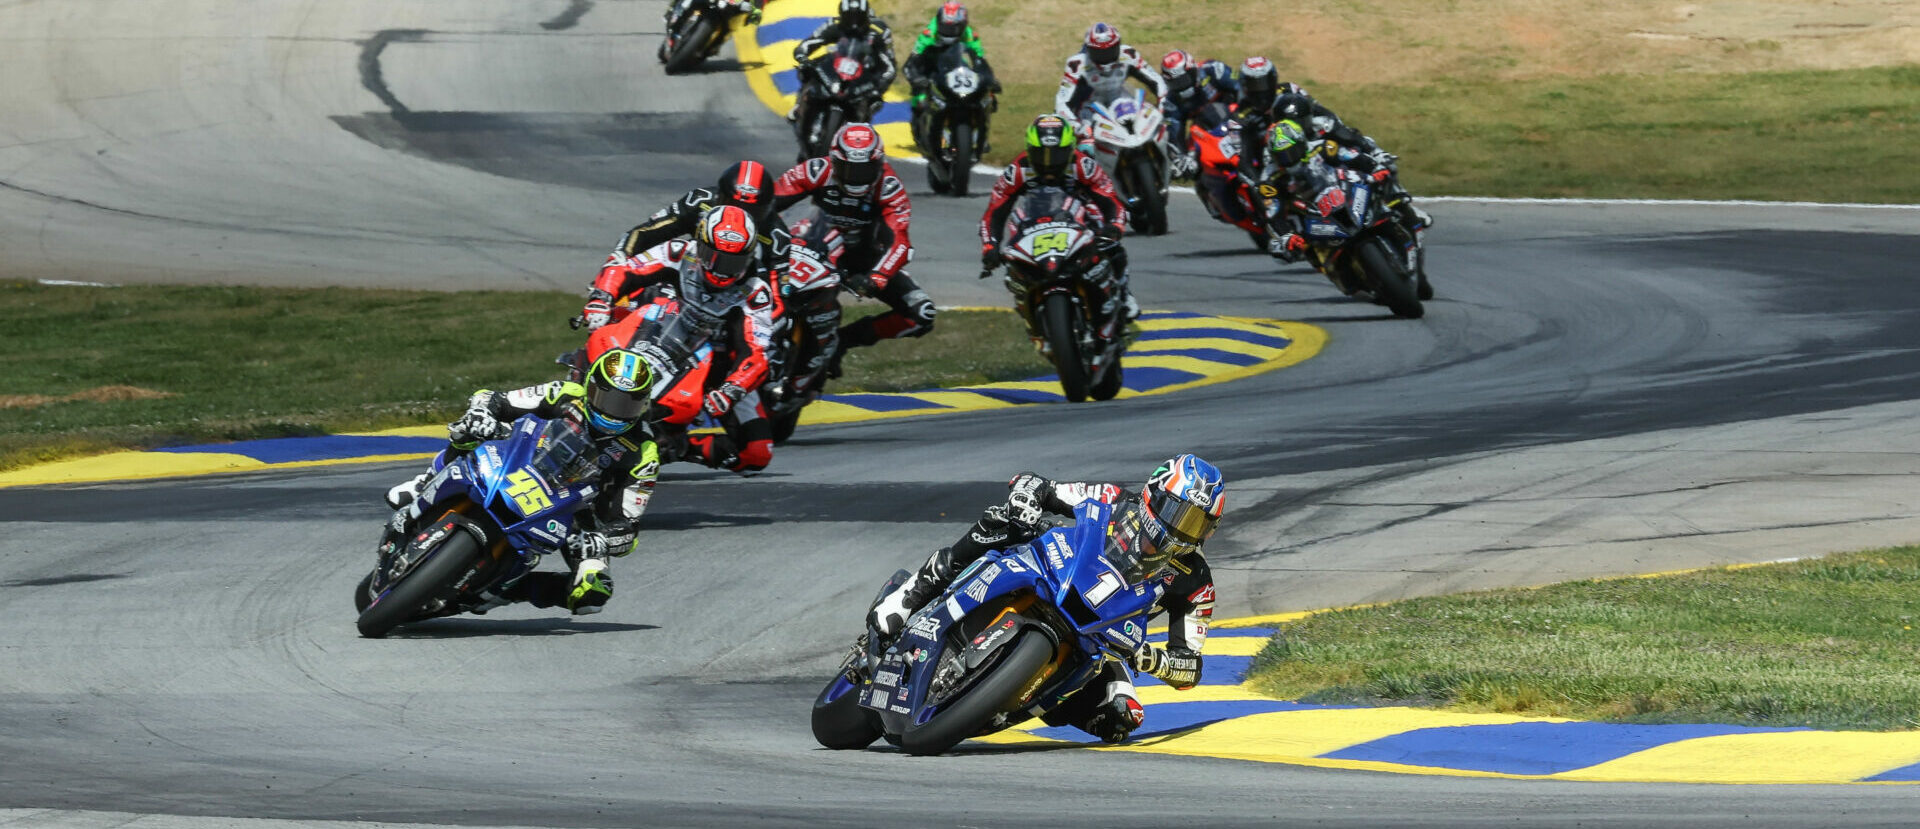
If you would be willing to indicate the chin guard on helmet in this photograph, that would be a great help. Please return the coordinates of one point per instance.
(724, 245)
(619, 387)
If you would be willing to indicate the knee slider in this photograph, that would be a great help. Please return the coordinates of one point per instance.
(921, 309)
(755, 456)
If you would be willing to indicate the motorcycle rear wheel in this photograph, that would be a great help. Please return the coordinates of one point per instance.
(783, 426)
(1060, 317)
(1025, 658)
(692, 49)
(1391, 283)
(430, 580)
(842, 723)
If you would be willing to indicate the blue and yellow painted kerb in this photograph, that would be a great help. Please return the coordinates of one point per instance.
(1224, 718)
(766, 53)
(1173, 351)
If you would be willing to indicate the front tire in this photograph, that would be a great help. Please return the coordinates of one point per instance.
(1153, 205)
(361, 598)
(1060, 318)
(783, 426)
(1391, 283)
(842, 723)
(431, 580)
(1109, 385)
(1026, 658)
(692, 49)
(961, 169)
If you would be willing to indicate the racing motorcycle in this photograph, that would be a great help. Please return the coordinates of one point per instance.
(810, 295)
(1017, 633)
(951, 128)
(1359, 240)
(501, 507)
(834, 91)
(1130, 140)
(1222, 190)
(695, 31)
(1065, 288)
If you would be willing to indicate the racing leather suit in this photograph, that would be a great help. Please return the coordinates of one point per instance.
(1213, 83)
(1091, 184)
(736, 322)
(875, 225)
(919, 66)
(1106, 706)
(678, 220)
(880, 69)
(1085, 82)
(629, 461)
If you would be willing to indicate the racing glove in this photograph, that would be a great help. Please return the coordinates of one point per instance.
(877, 281)
(753, 15)
(721, 400)
(1178, 667)
(990, 257)
(1287, 247)
(1028, 495)
(587, 544)
(596, 313)
(477, 425)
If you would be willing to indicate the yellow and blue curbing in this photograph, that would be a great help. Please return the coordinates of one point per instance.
(1173, 351)
(766, 53)
(1225, 718)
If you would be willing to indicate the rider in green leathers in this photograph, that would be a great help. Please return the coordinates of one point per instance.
(950, 25)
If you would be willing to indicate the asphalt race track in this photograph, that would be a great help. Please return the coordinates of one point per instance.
(1598, 390)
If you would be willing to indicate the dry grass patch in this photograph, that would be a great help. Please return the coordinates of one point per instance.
(102, 394)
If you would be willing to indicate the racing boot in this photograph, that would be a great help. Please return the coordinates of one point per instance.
(1117, 715)
(404, 493)
(892, 612)
(997, 528)
(592, 587)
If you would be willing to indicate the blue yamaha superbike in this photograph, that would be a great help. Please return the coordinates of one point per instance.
(500, 508)
(1016, 633)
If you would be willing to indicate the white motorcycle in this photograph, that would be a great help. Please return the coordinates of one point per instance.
(1130, 140)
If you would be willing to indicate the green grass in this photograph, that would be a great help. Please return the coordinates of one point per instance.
(1826, 643)
(241, 363)
(1850, 135)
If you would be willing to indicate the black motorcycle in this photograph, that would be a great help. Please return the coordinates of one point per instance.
(1063, 285)
(835, 90)
(1359, 238)
(951, 126)
(806, 333)
(695, 31)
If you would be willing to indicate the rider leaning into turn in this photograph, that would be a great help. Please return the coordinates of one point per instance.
(613, 401)
(1053, 159)
(858, 192)
(853, 20)
(1191, 85)
(1155, 535)
(1099, 73)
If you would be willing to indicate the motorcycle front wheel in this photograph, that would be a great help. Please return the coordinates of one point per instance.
(1060, 318)
(839, 721)
(693, 47)
(431, 580)
(1153, 205)
(961, 169)
(1390, 280)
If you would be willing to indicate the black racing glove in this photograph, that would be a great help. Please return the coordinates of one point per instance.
(1027, 498)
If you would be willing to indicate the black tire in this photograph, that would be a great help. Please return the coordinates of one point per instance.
(933, 174)
(1392, 285)
(783, 426)
(1153, 206)
(1059, 317)
(830, 122)
(360, 597)
(431, 580)
(1108, 385)
(693, 47)
(843, 724)
(961, 170)
(1025, 658)
(1259, 241)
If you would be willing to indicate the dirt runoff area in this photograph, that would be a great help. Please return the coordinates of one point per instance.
(1399, 41)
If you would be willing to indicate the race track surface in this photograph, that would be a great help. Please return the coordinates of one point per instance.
(1598, 390)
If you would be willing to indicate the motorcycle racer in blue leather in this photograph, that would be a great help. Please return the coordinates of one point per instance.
(1154, 534)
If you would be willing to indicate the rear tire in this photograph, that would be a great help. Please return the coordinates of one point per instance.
(692, 49)
(1060, 317)
(783, 426)
(432, 580)
(842, 724)
(1026, 658)
(1392, 285)
(961, 169)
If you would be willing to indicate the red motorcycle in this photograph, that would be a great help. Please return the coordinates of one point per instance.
(1226, 196)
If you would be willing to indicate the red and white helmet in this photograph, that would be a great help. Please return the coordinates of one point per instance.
(1258, 80)
(724, 245)
(1180, 70)
(951, 23)
(1103, 44)
(858, 156)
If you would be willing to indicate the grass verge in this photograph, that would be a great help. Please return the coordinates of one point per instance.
(1834, 136)
(1826, 643)
(94, 369)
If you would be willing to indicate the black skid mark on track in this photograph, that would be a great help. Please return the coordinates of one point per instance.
(370, 74)
(570, 17)
(54, 581)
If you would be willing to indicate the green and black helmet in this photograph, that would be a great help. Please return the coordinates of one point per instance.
(1050, 143)
(1286, 144)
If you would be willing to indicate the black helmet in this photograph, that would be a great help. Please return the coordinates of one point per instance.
(1050, 144)
(1293, 106)
(855, 14)
(951, 23)
(748, 186)
(1258, 80)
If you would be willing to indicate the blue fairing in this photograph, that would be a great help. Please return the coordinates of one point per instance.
(1064, 567)
(508, 476)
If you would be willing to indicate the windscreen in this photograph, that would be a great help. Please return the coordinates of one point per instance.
(565, 456)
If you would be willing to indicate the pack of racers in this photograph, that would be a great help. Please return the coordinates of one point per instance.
(853, 20)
